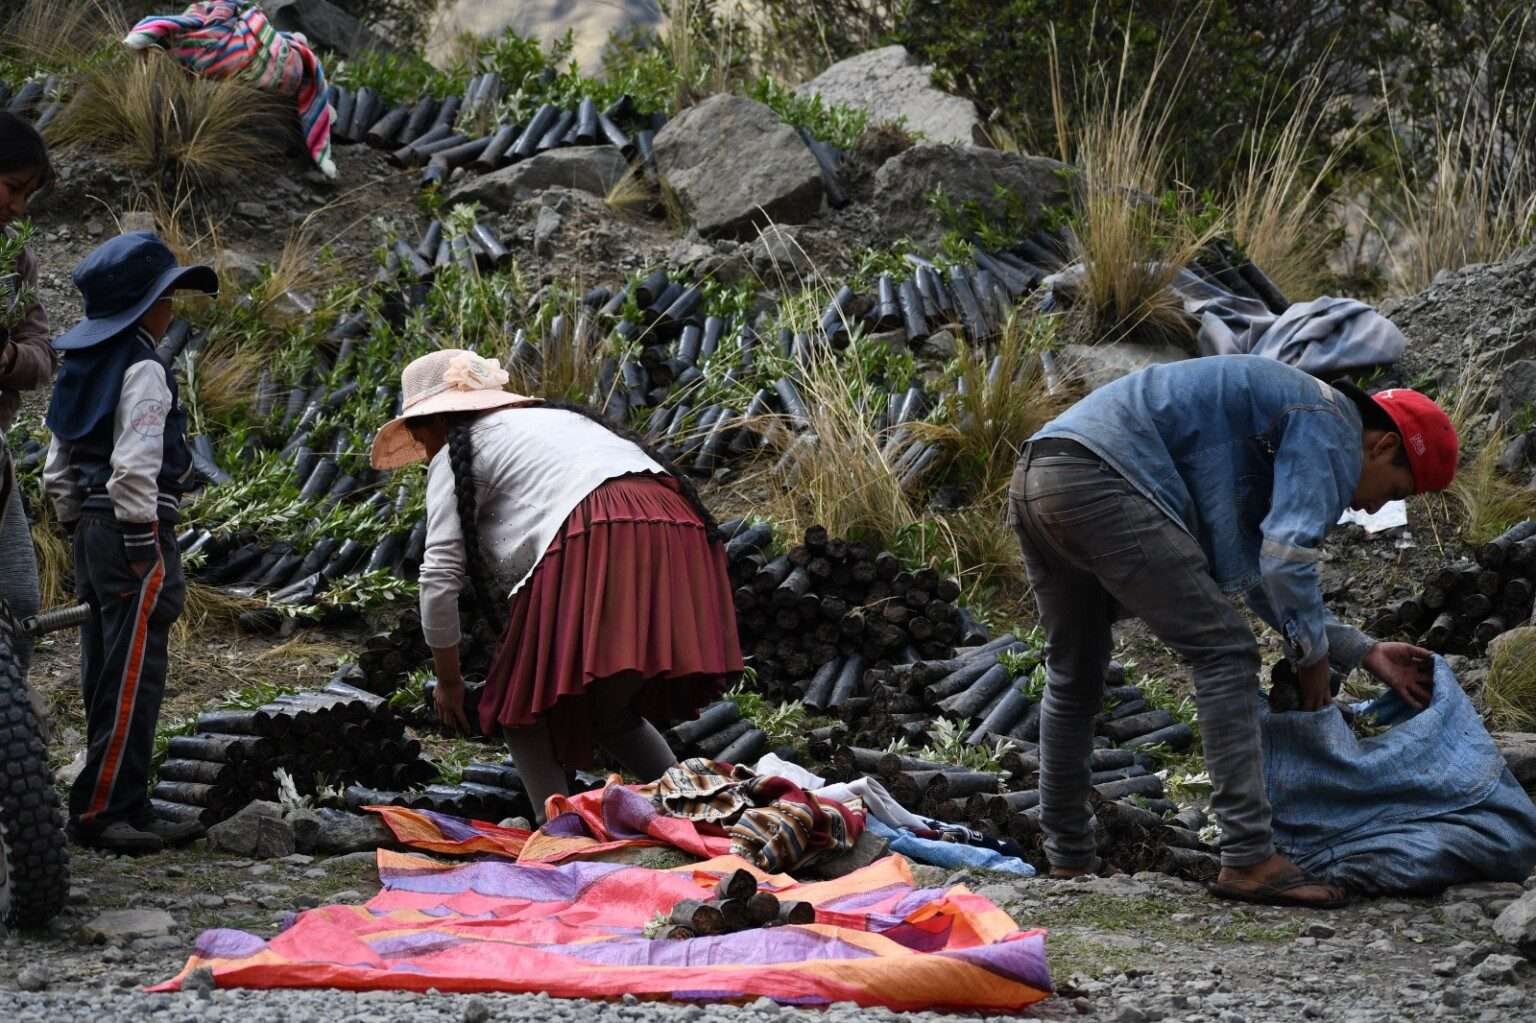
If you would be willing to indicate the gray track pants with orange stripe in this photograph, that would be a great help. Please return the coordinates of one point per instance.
(122, 669)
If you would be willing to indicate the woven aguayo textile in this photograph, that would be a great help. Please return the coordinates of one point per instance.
(698, 806)
(574, 930)
(234, 39)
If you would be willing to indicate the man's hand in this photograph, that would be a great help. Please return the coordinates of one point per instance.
(448, 695)
(1316, 688)
(1408, 669)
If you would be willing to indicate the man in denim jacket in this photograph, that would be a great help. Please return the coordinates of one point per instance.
(1162, 495)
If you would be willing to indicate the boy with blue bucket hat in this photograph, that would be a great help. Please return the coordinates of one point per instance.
(117, 467)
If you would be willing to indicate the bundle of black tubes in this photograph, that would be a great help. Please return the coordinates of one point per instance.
(816, 616)
(1465, 605)
(490, 792)
(337, 732)
(738, 905)
(39, 99)
(442, 135)
(1143, 829)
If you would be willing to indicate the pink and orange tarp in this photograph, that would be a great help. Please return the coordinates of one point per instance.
(575, 929)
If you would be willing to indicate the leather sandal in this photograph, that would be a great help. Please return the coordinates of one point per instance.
(1278, 892)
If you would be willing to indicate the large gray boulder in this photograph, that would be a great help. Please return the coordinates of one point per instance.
(891, 85)
(257, 831)
(735, 168)
(594, 169)
(336, 832)
(326, 26)
(1097, 365)
(1519, 749)
(1469, 324)
(1517, 924)
(1002, 185)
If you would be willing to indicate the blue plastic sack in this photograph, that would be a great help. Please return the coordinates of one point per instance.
(1426, 804)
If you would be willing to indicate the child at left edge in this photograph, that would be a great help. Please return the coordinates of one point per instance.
(117, 467)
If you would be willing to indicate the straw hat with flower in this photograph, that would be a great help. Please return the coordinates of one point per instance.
(450, 380)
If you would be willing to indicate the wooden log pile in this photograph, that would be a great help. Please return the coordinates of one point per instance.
(815, 618)
(339, 731)
(1465, 605)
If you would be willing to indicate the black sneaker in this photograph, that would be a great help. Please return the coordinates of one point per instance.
(173, 833)
(122, 837)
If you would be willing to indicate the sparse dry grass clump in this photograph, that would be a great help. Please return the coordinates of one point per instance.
(1509, 694)
(837, 473)
(1001, 401)
(1490, 502)
(1474, 201)
(147, 113)
(1278, 201)
(1130, 241)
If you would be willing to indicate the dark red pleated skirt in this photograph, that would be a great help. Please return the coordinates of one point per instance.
(630, 585)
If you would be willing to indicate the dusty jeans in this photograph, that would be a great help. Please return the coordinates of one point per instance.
(1091, 541)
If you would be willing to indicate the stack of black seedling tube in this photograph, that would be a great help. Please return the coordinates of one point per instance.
(340, 732)
(816, 616)
(1467, 604)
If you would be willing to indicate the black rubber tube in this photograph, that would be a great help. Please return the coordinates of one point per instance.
(555, 136)
(527, 143)
(420, 120)
(586, 122)
(495, 152)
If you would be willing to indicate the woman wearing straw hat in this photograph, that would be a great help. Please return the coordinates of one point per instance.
(620, 607)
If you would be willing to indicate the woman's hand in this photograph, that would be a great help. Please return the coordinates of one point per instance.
(1408, 669)
(448, 695)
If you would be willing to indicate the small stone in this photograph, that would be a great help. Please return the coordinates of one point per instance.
(1508, 997)
(1128, 1013)
(261, 870)
(251, 210)
(297, 860)
(1466, 914)
(78, 895)
(175, 870)
(208, 900)
(765, 1005)
(34, 978)
(200, 982)
(125, 924)
(545, 227)
(1498, 969)
(1451, 998)
(630, 998)
(1306, 942)
(1312, 1011)
(476, 1011)
(1443, 968)
(1318, 930)
(1083, 1006)
(348, 895)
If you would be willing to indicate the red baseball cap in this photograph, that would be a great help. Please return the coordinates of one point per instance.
(1429, 439)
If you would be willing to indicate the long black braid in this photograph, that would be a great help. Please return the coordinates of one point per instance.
(461, 455)
(461, 458)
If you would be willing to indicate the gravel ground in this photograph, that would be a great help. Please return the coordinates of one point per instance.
(1129, 949)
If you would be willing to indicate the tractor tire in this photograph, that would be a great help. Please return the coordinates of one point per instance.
(33, 856)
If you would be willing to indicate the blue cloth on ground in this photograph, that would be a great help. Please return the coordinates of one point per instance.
(946, 854)
(1426, 804)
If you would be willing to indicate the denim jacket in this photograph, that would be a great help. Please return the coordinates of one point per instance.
(1254, 459)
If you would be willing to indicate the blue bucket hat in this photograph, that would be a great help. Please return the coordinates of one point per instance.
(122, 278)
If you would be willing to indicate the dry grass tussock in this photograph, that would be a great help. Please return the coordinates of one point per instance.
(1277, 203)
(1001, 402)
(55, 558)
(146, 113)
(1482, 501)
(1474, 203)
(1130, 243)
(58, 33)
(841, 476)
(1509, 694)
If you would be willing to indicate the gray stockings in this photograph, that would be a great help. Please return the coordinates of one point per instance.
(18, 569)
(632, 740)
(1091, 541)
